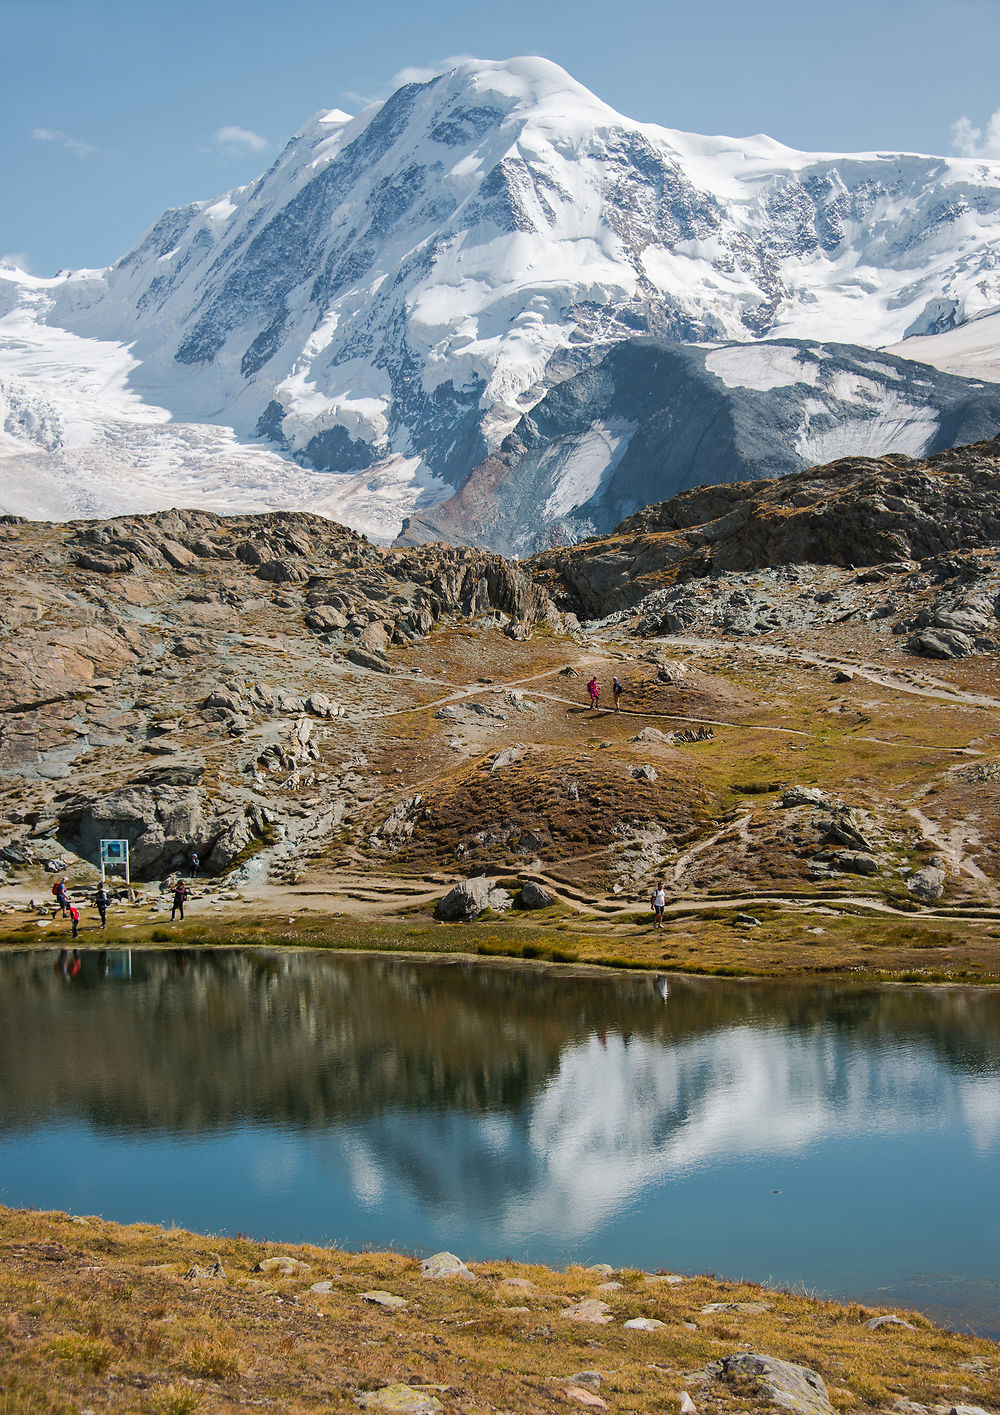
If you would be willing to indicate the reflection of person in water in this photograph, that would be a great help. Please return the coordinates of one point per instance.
(662, 986)
(66, 965)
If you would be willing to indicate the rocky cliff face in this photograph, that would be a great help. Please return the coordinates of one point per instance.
(656, 418)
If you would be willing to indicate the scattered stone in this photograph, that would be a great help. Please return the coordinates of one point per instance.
(508, 756)
(652, 734)
(384, 1299)
(322, 1287)
(806, 796)
(582, 1396)
(282, 1266)
(589, 1310)
(855, 862)
(519, 1284)
(747, 921)
(844, 675)
(688, 1406)
(875, 1323)
(609, 1287)
(402, 1399)
(212, 1271)
(644, 1324)
(643, 773)
(651, 1279)
(533, 896)
(692, 734)
(592, 1379)
(737, 1307)
(446, 1265)
(792, 1387)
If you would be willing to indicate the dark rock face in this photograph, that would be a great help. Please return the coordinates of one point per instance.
(672, 418)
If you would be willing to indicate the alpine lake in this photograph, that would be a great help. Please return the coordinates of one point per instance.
(834, 1139)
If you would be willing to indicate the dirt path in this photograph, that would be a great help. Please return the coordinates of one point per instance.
(929, 687)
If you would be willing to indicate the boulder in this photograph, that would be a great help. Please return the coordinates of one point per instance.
(446, 1265)
(376, 662)
(940, 643)
(533, 896)
(855, 862)
(928, 883)
(781, 1382)
(643, 773)
(468, 899)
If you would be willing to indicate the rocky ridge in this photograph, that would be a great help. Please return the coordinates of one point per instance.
(172, 678)
(906, 543)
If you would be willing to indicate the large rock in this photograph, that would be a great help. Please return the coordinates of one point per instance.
(928, 883)
(468, 899)
(533, 896)
(941, 643)
(162, 826)
(780, 1382)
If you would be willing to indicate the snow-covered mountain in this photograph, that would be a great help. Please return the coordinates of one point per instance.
(391, 296)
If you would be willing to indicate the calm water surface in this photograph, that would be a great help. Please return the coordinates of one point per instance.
(844, 1140)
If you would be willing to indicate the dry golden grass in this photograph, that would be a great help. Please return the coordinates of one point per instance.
(102, 1317)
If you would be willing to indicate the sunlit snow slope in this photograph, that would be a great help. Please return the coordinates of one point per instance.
(399, 287)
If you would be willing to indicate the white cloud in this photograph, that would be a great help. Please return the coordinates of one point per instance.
(16, 260)
(82, 149)
(234, 137)
(418, 75)
(971, 141)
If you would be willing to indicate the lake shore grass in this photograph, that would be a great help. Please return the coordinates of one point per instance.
(814, 937)
(102, 1317)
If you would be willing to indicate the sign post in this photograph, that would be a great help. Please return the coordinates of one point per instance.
(114, 856)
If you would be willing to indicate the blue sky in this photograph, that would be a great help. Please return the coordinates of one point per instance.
(113, 110)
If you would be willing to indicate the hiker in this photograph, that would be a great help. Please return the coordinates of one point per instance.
(179, 894)
(101, 904)
(62, 897)
(658, 902)
(616, 691)
(74, 914)
(194, 862)
(595, 692)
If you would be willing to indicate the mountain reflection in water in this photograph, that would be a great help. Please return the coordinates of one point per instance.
(507, 1111)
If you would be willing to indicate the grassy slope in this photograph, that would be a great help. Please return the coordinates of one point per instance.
(102, 1317)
